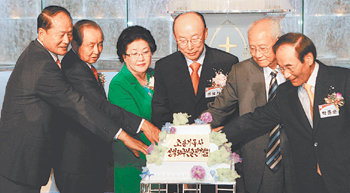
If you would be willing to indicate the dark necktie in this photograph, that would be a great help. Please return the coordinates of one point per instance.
(95, 72)
(273, 155)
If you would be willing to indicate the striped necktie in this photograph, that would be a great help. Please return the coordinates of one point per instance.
(273, 155)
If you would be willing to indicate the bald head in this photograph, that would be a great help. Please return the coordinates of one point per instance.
(190, 34)
(269, 26)
(189, 14)
(262, 35)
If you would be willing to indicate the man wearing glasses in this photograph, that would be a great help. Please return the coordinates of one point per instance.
(182, 78)
(251, 84)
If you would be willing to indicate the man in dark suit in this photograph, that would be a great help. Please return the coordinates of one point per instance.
(183, 80)
(35, 88)
(174, 89)
(83, 158)
(313, 111)
(248, 87)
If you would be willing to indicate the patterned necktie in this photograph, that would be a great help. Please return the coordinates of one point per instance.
(273, 155)
(58, 63)
(194, 76)
(95, 72)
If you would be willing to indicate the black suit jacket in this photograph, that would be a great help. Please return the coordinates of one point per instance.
(173, 90)
(35, 88)
(327, 143)
(80, 152)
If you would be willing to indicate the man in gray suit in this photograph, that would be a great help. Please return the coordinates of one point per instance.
(247, 88)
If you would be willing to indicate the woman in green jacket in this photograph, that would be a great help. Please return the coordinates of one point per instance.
(132, 89)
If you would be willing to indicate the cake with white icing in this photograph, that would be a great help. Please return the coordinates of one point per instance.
(190, 154)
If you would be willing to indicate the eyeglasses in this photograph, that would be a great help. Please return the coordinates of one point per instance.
(263, 49)
(283, 69)
(194, 41)
(136, 55)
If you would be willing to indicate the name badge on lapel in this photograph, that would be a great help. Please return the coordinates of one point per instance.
(217, 83)
(212, 91)
(328, 110)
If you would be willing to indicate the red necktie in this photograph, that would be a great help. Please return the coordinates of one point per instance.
(95, 72)
(58, 63)
(194, 76)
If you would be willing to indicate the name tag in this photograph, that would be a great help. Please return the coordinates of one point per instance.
(212, 91)
(328, 110)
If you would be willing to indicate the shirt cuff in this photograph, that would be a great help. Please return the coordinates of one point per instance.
(120, 130)
(117, 135)
(138, 130)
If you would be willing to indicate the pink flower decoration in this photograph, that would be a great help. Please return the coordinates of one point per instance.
(339, 96)
(206, 117)
(198, 172)
(235, 157)
(150, 149)
(172, 130)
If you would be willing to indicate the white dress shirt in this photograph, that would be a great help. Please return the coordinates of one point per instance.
(302, 94)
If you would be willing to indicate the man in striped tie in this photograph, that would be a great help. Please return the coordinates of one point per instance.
(251, 84)
(313, 111)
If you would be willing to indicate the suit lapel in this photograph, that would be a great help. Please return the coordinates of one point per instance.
(184, 75)
(297, 108)
(322, 86)
(256, 72)
(90, 72)
(206, 73)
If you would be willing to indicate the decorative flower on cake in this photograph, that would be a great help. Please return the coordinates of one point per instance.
(145, 173)
(180, 118)
(150, 83)
(150, 148)
(102, 78)
(219, 156)
(157, 155)
(235, 157)
(219, 80)
(198, 172)
(218, 138)
(206, 117)
(166, 127)
(226, 174)
(199, 122)
(335, 98)
(214, 175)
(162, 135)
(172, 130)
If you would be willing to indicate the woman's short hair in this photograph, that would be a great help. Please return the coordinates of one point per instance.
(131, 34)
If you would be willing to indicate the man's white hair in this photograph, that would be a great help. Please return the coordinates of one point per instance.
(274, 24)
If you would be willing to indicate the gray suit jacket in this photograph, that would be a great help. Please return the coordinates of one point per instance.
(245, 89)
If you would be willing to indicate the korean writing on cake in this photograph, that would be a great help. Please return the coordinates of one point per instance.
(188, 148)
